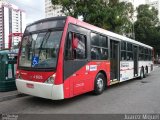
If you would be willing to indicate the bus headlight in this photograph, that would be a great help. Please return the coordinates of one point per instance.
(51, 79)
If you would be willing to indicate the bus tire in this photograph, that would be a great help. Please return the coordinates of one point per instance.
(145, 72)
(142, 73)
(99, 84)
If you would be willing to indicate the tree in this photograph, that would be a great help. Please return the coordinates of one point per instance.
(120, 15)
(114, 16)
(147, 26)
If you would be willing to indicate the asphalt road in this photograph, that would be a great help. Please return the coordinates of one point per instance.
(135, 96)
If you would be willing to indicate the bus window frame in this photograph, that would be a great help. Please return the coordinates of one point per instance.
(86, 50)
(41, 69)
(128, 51)
(99, 47)
(123, 50)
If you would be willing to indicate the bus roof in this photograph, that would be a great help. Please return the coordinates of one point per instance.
(48, 19)
(106, 32)
(93, 28)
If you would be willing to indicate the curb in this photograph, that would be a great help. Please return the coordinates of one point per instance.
(10, 97)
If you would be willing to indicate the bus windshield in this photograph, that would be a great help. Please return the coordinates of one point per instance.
(40, 50)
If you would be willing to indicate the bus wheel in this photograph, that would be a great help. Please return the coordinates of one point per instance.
(141, 73)
(99, 84)
(145, 73)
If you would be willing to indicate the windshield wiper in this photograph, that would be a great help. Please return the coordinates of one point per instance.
(44, 39)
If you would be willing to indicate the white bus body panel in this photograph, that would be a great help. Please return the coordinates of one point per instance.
(127, 69)
(144, 64)
(49, 91)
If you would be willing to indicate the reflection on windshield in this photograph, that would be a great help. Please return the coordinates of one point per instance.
(40, 50)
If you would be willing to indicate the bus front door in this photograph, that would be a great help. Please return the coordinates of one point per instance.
(114, 61)
(135, 61)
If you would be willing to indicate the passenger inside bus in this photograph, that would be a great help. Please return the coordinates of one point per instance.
(79, 46)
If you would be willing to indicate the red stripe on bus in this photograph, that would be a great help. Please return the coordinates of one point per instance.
(127, 69)
(131, 68)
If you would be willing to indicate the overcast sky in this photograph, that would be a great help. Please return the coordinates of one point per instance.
(34, 8)
(137, 2)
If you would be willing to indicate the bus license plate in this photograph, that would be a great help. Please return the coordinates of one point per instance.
(29, 85)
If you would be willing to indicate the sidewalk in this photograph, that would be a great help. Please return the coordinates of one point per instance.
(156, 65)
(10, 95)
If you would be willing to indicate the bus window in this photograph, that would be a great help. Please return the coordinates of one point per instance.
(99, 47)
(68, 48)
(129, 51)
(123, 55)
(94, 39)
(76, 46)
(123, 45)
(141, 53)
(129, 56)
(103, 42)
(95, 53)
(123, 50)
(80, 47)
(40, 50)
(150, 54)
(129, 47)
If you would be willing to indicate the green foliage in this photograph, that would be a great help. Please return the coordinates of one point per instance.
(146, 26)
(119, 17)
(114, 16)
(55, 2)
(145, 11)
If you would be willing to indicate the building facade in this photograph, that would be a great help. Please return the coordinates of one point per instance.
(12, 20)
(52, 10)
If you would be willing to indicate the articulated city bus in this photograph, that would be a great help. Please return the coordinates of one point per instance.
(63, 57)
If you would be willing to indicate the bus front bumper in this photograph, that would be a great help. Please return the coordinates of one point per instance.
(49, 91)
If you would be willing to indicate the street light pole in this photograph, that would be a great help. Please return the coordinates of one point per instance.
(133, 23)
(133, 31)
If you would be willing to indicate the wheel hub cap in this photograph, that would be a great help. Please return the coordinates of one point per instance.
(100, 84)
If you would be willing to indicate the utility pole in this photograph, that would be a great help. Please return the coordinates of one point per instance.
(133, 22)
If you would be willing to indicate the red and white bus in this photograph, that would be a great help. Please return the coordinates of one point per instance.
(63, 57)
